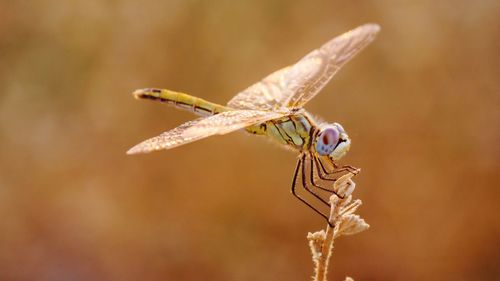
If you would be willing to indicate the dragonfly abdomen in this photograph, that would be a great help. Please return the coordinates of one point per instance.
(181, 100)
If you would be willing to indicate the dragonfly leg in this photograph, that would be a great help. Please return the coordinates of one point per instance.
(337, 169)
(324, 173)
(318, 173)
(306, 185)
(296, 174)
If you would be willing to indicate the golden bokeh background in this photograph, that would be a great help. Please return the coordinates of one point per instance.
(421, 104)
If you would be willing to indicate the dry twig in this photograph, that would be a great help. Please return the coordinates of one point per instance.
(344, 222)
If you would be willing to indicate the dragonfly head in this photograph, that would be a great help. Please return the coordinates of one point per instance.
(333, 141)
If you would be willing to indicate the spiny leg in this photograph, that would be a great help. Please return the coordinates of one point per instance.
(293, 190)
(337, 169)
(304, 181)
(312, 167)
(324, 174)
(312, 176)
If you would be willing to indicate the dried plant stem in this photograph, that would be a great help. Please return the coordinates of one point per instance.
(342, 220)
(324, 258)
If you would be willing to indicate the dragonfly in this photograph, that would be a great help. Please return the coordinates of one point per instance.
(273, 107)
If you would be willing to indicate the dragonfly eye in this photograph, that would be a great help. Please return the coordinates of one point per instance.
(339, 127)
(327, 140)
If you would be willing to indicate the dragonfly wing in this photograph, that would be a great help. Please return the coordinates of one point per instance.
(264, 95)
(295, 85)
(307, 77)
(222, 123)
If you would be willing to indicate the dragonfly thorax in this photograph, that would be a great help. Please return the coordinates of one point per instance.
(332, 140)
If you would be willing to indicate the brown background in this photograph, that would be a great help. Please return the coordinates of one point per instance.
(421, 105)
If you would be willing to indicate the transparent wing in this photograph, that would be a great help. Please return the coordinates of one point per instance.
(263, 95)
(306, 78)
(222, 123)
(295, 85)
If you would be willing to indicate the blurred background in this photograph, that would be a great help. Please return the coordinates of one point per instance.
(421, 105)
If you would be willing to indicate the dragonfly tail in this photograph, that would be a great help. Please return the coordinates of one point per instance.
(181, 100)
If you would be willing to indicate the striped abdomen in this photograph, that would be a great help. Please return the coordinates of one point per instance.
(181, 100)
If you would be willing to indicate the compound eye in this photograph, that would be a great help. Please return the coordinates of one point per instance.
(341, 129)
(330, 137)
